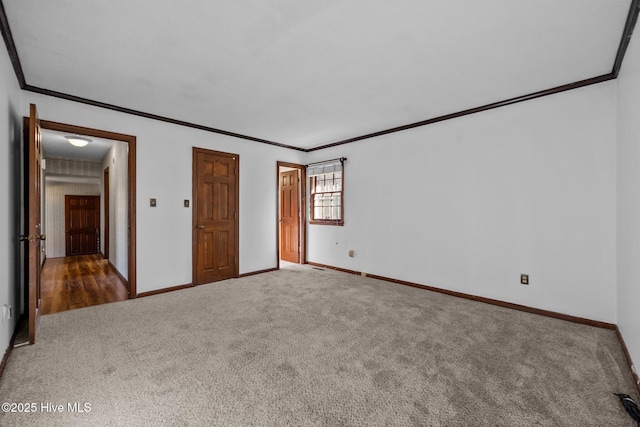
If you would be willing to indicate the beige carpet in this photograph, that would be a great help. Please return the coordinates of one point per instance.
(301, 346)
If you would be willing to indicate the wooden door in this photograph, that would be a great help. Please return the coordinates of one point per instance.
(216, 203)
(289, 217)
(82, 224)
(34, 236)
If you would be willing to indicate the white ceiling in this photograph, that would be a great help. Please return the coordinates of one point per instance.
(54, 144)
(311, 72)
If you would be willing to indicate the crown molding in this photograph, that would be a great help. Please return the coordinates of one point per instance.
(152, 116)
(632, 18)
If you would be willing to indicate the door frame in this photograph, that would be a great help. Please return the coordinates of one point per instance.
(194, 212)
(302, 202)
(130, 140)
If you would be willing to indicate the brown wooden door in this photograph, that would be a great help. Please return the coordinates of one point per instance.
(216, 192)
(34, 236)
(82, 224)
(289, 217)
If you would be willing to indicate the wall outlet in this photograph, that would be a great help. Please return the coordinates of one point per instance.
(524, 279)
(363, 274)
(152, 203)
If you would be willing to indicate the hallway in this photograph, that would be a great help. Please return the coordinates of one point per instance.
(79, 281)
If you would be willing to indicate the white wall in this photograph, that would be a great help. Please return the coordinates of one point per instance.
(164, 157)
(11, 222)
(629, 199)
(471, 203)
(529, 188)
(117, 161)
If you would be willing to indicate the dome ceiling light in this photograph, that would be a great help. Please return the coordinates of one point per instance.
(78, 141)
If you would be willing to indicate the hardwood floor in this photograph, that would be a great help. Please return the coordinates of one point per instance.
(79, 281)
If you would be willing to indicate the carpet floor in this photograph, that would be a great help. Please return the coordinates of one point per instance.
(300, 346)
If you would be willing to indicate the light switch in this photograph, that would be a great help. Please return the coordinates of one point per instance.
(152, 203)
(186, 203)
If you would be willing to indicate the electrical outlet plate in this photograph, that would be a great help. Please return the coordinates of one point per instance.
(524, 279)
(152, 203)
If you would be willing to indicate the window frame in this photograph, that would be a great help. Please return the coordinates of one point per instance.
(312, 194)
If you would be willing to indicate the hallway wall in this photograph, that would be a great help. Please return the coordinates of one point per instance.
(55, 212)
(64, 177)
(117, 161)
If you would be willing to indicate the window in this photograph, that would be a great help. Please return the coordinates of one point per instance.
(326, 183)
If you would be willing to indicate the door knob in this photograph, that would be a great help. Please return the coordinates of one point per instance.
(200, 227)
(32, 237)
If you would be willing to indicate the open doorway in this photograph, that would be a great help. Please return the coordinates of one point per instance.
(106, 270)
(291, 226)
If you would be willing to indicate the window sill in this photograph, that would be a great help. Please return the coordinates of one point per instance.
(327, 222)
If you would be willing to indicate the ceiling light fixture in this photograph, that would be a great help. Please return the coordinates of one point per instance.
(78, 141)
